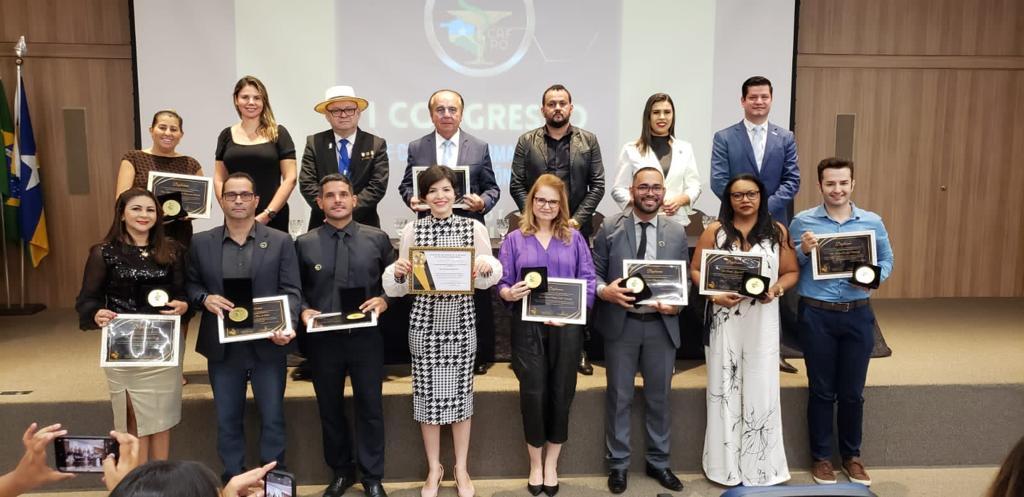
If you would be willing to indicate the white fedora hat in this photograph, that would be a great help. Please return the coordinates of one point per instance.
(340, 94)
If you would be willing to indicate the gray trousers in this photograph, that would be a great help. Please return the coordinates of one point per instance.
(644, 346)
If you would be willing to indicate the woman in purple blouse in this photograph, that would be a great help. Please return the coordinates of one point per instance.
(545, 355)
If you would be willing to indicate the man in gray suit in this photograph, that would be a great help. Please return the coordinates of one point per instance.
(243, 249)
(448, 145)
(643, 338)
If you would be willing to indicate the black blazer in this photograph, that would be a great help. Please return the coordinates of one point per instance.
(275, 271)
(586, 172)
(368, 170)
(370, 252)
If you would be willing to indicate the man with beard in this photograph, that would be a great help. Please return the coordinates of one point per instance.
(568, 152)
(643, 338)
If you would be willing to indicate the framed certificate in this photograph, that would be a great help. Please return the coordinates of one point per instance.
(269, 314)
(666, 279)
(721, 271)
(839, 253)
(341, 321)
(441, 270)
(196, 192)
(141, 340)
(564, 302)
(461, 183)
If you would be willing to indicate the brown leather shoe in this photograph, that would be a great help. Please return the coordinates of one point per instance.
(823, 473)
(854, 469)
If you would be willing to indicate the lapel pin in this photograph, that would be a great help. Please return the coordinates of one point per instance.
(263, 245)
(317, 267)
(661, 243)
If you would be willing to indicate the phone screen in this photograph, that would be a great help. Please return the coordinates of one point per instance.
(279, 484)
(83, 454)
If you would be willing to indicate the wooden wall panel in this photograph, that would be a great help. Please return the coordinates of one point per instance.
(79, 56)
(912, 27)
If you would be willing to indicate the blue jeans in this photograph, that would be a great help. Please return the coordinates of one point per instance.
(228, 379)
(837, 348)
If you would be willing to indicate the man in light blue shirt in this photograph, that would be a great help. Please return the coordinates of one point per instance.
(836, 324)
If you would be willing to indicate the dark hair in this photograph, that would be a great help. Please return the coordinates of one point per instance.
(168, 479)
(644, 142)
(554, 87)
(168, 112)
(834, 163)
(764, 228)
(756, 81)
(334, 177)
(430, 101)
(237, 175)
(1010, 480)
(648, 168)
(162, 247)
(268, 124)
(432, 175)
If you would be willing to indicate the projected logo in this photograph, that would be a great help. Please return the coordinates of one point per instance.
(480, 38)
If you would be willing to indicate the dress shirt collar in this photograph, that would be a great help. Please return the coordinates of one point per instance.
(569, 130)
(750, 126)
(250, 236)
(439, 140)
(821, 212)
(637, 221)
(349, 229)
(351, 138)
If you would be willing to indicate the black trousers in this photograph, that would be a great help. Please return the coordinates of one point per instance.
(544, 359)
(483, 300)
(333, 355)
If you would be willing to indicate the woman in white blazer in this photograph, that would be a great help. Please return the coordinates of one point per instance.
(658, 147)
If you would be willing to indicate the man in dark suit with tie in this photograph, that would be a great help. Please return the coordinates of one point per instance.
(243, 249)
(559, 148)
(349, 151)
(448, 145)
(766, 150)
(643, 338)
(345, 259)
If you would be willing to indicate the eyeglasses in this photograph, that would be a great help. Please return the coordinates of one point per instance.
(449, 110)
(645, 189)
(751, 195)
(243, 196)
(543, 202)
(351, 111)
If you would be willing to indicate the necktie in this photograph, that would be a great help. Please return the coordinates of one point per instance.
(446, 154)
(343, 158)
(641, 250)
(341, 261)
(758, 146)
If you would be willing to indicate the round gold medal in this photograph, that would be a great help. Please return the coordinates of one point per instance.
(533, 279)
(635, 285)
(172, 208)
(355, 315)
(754, 286)
(864, 275)
(158, 298)
(238, 314)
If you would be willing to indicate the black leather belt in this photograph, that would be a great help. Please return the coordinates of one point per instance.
(835, 306)
(643, 316)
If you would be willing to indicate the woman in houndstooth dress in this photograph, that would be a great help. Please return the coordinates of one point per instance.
(442, 328)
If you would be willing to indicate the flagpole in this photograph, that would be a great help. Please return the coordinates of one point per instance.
(3, 245)
(19, 50)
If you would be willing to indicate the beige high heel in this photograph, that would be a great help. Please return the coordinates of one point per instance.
(424, 492)
(470, 492)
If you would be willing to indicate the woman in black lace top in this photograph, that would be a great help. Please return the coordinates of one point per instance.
(136, 253)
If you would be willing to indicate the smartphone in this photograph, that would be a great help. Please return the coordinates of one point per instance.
(83, 454)
(279, 484)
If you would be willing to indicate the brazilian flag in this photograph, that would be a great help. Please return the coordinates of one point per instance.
(7, 175)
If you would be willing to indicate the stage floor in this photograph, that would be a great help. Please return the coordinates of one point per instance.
(934, 342)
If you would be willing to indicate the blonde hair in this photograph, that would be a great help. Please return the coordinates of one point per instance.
(559, 225)
(268, 125)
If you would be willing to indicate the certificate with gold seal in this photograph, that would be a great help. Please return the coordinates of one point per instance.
(140, 340)
(565, 302)
(667, 279)
(331, 321)
(269, 315)
(441, 270)
(838, 254)
(196, 193)
(722, 271)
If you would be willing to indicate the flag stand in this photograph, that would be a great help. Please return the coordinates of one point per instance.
(22, 309)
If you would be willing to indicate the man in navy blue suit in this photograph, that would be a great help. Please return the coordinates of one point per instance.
(448, 145)
(758, 147)
(765, 150)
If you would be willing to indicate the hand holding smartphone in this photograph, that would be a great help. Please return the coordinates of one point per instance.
(83, 454)
(279, 484)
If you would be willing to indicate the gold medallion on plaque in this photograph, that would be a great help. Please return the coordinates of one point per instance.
(238, 314)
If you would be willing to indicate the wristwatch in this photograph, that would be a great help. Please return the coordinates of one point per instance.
(270, 213)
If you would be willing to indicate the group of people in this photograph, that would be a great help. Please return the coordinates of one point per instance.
(557, 182)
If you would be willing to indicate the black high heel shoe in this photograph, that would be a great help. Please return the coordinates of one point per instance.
(550, 491)
(534, 489)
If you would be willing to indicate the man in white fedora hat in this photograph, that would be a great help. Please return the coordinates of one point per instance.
(347, 150)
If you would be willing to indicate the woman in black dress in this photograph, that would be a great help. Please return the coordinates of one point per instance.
(260, 147)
